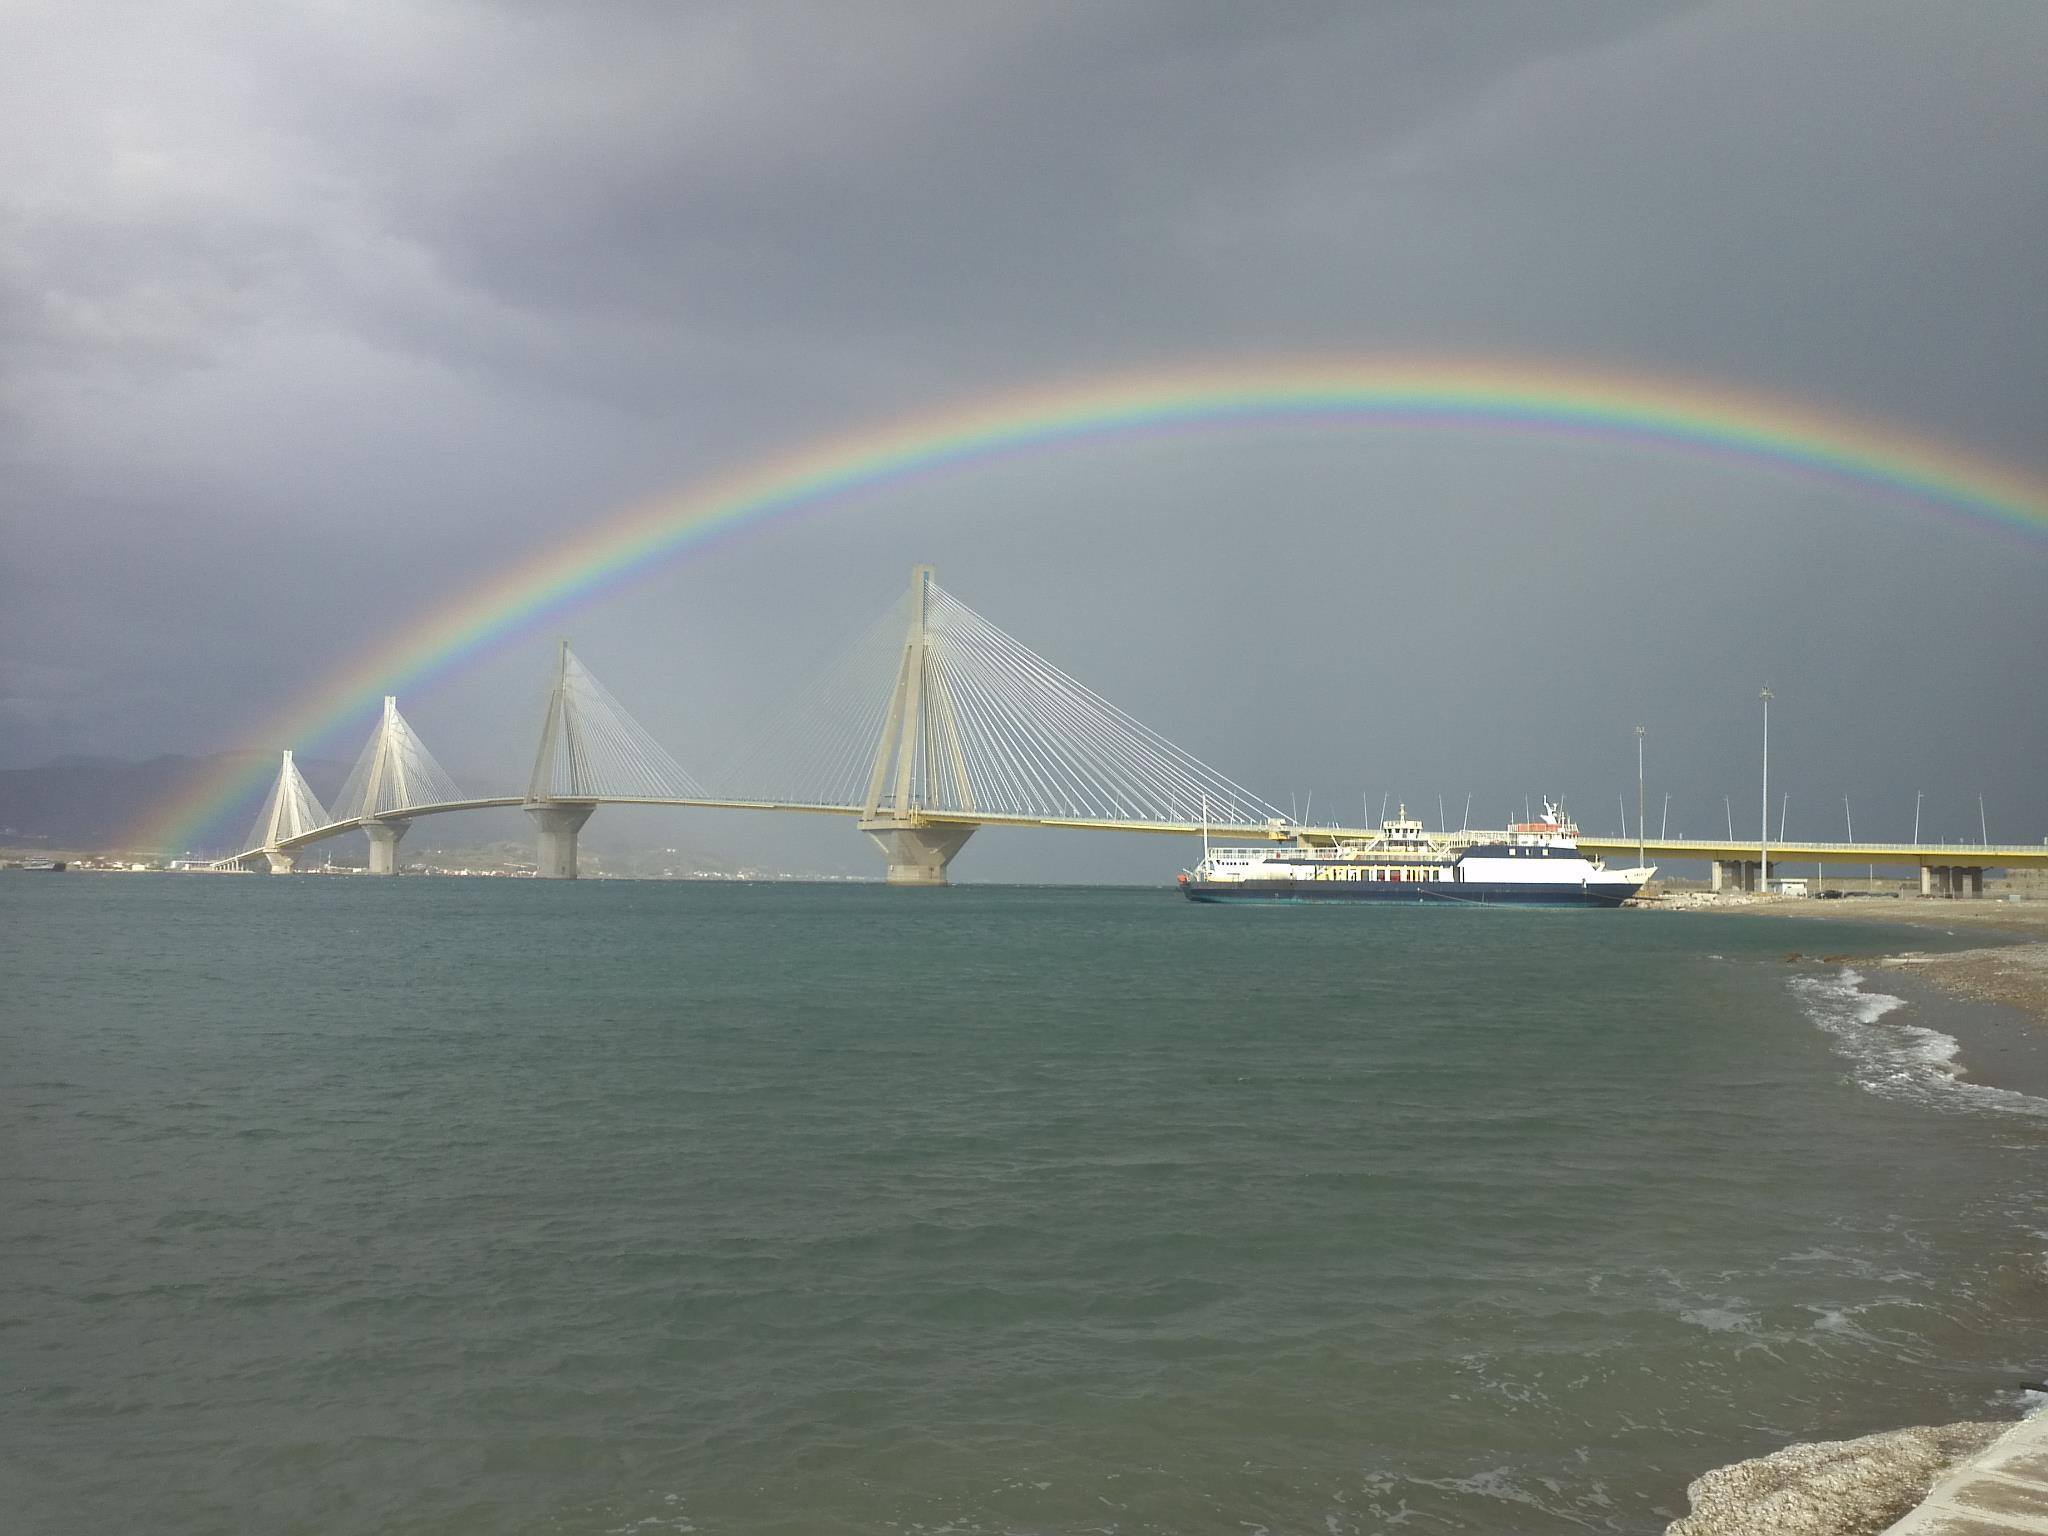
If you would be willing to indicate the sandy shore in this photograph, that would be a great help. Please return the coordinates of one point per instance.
(2016, 917)
(2012, 972)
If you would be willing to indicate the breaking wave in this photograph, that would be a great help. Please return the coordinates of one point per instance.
(1895, 1059)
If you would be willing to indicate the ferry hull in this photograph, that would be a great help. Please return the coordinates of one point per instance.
(1423, 893)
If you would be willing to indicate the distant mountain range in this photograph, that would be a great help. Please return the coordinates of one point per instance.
(92, 803)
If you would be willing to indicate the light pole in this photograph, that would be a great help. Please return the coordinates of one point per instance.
(1849, 821)
(1641, 861)
(1983, 828)
(1664, 821)
(1916, 818)
(1763, 846)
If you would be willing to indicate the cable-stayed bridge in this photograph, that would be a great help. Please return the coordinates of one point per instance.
(932, 723)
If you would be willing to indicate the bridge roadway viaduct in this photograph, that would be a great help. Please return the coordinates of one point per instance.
(1946, 869)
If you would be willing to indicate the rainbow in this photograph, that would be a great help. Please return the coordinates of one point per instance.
(1487, 395)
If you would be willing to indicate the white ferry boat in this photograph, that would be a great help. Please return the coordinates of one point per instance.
(1534, 864)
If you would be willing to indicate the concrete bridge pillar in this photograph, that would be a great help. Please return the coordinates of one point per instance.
(1737, 875)
(280, 862)
(384, 836)
(917, 855)
(558, 825)
(1977, 881)
(1943, 880)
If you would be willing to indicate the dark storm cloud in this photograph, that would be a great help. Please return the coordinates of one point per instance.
(310, 315)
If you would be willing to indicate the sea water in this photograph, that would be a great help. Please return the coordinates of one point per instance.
(340, 1205)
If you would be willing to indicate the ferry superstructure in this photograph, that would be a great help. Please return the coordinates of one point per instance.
(1532, 864)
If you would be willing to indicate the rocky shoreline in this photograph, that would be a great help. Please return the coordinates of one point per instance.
(1830, 1487)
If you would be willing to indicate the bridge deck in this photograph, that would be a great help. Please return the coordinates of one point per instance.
(1665, 849)
(1961, 855)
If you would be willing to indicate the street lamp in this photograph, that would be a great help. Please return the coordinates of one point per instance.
(1763, 847)
(1916, 818)
(1849, 820)
(1641, 860)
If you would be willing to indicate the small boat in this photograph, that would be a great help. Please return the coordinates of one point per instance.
(56, 865)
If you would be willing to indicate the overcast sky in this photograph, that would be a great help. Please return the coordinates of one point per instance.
(314, 315)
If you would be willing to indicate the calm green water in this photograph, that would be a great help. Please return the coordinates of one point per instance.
(476, 1206)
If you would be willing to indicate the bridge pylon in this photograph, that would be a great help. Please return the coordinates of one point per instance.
(591, 749)
(394, 773)
(920, 739)
(562, 763)
(290, 810)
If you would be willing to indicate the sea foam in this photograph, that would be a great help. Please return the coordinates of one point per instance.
(1895, 1059)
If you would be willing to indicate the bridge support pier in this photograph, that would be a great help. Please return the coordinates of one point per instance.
(1952, 881)
(558, 826)
(917, 854)
(1740, 875)
(384, 836)
(280, 863)
(1938, 880)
